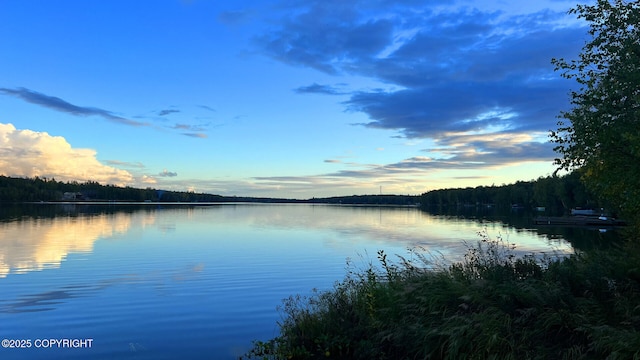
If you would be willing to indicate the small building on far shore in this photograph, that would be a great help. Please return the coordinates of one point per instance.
(73, 196)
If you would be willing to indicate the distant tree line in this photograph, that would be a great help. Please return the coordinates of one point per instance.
(14, 189)
(557, 194)
(399, 200)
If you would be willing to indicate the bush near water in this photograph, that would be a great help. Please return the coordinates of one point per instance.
(491, 305)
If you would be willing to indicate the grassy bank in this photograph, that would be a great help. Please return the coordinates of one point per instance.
(491, 305)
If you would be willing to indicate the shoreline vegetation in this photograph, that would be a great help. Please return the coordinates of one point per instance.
(491, 305)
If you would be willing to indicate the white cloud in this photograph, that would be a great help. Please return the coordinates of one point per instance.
(28, 153)
(147, 180)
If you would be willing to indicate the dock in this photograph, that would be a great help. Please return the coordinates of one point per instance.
(578, 220)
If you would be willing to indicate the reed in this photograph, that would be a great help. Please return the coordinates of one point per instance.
(491, 305)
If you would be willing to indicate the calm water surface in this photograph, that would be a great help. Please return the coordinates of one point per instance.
(197, 282)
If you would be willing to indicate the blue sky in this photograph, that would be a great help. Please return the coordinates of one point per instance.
(291, 98)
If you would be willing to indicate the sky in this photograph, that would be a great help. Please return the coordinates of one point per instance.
(284, 98)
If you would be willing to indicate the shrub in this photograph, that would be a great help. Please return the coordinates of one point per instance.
(491, 304)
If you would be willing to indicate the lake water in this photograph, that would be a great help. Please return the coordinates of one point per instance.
(194, 282)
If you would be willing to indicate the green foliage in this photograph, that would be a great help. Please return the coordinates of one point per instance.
(491, 305)
(558, 194)
(601, 133)
(42, 189)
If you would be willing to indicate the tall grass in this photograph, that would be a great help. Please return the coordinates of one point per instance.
(490, 305)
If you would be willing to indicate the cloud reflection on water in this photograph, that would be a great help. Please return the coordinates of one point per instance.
(37, 244)
(405, 227)
(40, 243)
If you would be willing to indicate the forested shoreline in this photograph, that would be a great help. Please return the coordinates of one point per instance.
(15, 189)
(558, 194)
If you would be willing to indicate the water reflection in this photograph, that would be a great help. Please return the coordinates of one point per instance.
(580, 237)
(45, 241)
(163, 282)
(40, 243)
(404, 227)
(40, 302)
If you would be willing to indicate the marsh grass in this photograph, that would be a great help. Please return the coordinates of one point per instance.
(491, 305)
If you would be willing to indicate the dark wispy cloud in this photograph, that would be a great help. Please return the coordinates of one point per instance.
(433, 111)
(55, 103)
(166, 173)
(196, 135)
(325, 40)
(321, 89)
(166, 112)
(190, 127)
(58, 104)
(207, 108)
(196, 131)
(452, 71)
